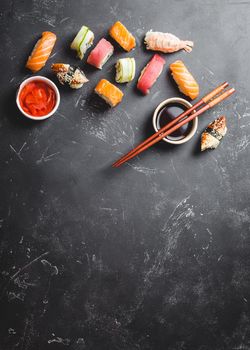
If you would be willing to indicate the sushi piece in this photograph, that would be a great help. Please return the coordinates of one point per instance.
(124, 38)
(150, 74)
(83, 40)
(184, 79)
(166, 42)
(109, 92)
(41, 52)
(214, 133)
(69, 75)
(101, 53)
(125, 70)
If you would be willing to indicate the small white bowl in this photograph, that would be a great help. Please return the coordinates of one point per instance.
(47, 81)
(184, 103)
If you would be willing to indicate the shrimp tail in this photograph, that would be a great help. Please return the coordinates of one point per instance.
(188, 45)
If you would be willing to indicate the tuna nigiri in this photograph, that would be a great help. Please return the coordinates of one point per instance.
(150, 74)
(166, 42)
(41, 52)
(184, 79)
(69, 75)
(124, 38)
(109, 92)
(101, 53)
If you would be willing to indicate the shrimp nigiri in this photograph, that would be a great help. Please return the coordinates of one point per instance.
(166, 42)
(184, 79)
(41, 52)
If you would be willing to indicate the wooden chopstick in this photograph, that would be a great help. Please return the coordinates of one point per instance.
(160, 135)
(205, 99)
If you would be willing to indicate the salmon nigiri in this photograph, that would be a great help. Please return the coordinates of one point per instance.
(41, 52)
(124, 38)
(184, 79)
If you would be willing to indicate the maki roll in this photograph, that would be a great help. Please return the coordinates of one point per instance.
(121, 35)
(101, 53)
(150, 74)
(125, 70)
(83, 40)
(109, 92)
(69, 75)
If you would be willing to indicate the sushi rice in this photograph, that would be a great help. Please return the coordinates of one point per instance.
(125, 70)
(83, 40)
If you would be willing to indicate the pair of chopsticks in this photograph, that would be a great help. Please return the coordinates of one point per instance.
(208, 101)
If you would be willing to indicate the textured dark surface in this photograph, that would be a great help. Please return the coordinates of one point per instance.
(154, 255)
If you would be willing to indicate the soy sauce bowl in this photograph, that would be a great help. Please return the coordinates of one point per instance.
(192, 125)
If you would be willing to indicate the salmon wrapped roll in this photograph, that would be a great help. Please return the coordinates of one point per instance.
(109, 92)
(41, 52)
(150, 74)
(124, 38)
(101, 53)
(184, 79)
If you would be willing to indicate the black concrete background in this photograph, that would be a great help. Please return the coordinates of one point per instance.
(154, 255)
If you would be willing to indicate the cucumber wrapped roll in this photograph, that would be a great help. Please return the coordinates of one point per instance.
(125, 70)
(83, 40)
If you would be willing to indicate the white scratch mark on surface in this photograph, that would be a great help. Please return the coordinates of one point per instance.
(11, 331)
(12, 296)
(181, 203)
(62, 115)
(54, 54)
(109, 209)
(46, 158)
(78, 100)
(27, 265)
(220, 257)
(209, 241)
(59, 340)
(176, 173)
(21, 282)
(52, 268)
(64, 19)
(146, 171)
(113, 10)
(18, 153)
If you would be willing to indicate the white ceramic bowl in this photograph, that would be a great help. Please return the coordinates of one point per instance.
(184, 103)
(47, 81)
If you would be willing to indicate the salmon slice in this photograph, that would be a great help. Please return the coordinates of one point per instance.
(109, 92)
(41, 52)
(184, 79)
(124, 38)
